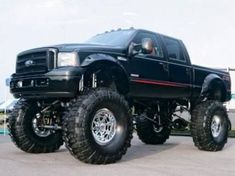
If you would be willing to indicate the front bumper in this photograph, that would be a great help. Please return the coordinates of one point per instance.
(57, 83)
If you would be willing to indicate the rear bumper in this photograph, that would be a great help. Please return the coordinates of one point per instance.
(58, 83)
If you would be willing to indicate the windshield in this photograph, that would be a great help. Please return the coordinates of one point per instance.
(116, 38)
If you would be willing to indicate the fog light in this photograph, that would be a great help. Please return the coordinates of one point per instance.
(42, 82)
(19, 84)
(32, 83)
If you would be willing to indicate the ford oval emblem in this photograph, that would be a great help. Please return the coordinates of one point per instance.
(28, 63)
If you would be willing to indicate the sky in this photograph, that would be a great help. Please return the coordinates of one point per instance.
(206, 27)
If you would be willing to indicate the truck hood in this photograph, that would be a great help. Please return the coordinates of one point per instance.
(81, 47)
(87, 47)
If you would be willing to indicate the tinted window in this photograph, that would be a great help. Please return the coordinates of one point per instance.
(141, 35)
(174, 49)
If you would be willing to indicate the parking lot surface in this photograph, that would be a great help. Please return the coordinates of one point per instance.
(178, 157)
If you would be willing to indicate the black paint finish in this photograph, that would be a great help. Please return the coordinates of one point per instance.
(162, 75)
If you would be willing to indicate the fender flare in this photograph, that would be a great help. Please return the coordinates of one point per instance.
(102, 59)
(208, 83)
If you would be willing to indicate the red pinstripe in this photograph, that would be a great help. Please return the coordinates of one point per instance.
(162, 83)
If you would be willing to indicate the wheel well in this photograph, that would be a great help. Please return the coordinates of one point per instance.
(107, 74)
(217, 85)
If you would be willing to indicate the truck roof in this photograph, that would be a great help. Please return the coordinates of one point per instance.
(143, 30)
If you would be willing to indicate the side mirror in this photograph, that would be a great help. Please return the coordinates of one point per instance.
(147, 46)
(132, 49)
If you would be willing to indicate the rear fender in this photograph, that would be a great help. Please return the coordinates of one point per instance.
(209, 82)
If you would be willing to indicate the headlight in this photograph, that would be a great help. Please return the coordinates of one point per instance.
(67, 59)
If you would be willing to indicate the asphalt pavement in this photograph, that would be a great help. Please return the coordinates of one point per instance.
(178, 157)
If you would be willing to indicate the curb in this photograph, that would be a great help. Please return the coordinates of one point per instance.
(187, 133)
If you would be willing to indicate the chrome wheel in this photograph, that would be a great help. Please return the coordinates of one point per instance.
(103, 126)
(216, 126)
(157, 129)
(39, 131)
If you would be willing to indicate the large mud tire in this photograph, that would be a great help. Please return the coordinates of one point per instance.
(210, 126)
(148, 134)
(22, 133)
(80, 136)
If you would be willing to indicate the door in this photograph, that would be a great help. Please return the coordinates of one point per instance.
(180, 70)
(148, 72)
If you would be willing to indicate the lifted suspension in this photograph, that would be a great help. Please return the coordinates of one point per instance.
(49, 118)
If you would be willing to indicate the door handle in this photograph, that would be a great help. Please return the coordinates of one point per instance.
(188, 71)
(164, 66)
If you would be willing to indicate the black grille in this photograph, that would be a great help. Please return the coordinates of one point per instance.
(34, 62)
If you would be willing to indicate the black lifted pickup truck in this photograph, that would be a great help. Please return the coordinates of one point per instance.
(91, 96)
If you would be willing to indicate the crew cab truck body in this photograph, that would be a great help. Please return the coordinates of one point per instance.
(81, 94)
